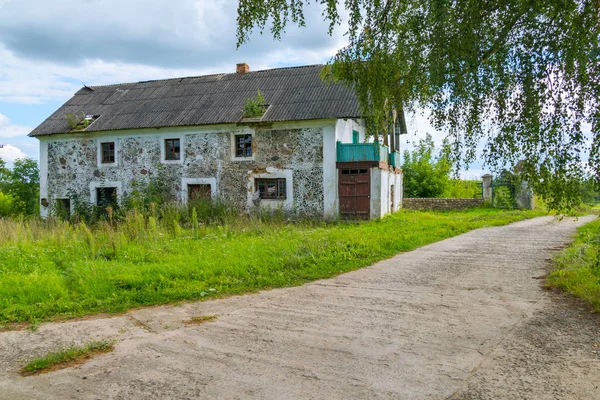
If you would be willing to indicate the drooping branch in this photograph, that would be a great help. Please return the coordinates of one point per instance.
(525, 74)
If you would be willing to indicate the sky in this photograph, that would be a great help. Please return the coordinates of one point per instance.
(48, 50)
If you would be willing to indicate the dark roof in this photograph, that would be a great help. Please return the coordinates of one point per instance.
(293, 94)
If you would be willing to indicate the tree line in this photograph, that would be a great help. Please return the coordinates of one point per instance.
(19, 188)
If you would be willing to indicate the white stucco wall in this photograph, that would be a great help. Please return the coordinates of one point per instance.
(381, 186)
(344, 128)
(398, 191)
(330, 173)
(385, 193)
(44, 176)
(375, 205)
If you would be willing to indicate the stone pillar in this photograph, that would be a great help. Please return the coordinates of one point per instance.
(525, 196)
(487, 187)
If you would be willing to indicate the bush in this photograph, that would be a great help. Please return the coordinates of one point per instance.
(254, 107)
(7, 204)
(425, 175)
(22, 183)
(463, 189)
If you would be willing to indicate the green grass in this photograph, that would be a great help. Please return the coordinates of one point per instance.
(66, 358)
(55, 270)
(578, 267)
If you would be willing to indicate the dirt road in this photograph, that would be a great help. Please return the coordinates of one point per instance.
(465, 318)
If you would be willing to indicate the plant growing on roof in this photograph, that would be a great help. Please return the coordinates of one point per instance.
(77, 121)
(255, 106)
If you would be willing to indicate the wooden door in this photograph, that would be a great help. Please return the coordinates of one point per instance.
(355, 193)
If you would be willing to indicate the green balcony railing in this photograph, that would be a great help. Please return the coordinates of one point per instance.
(395, 159)
(352, 152)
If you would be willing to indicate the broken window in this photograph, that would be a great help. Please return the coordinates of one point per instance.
(271, 188)
(172, 149)
(199, 192)
(107, 152)
(106, 196)
(243, 145)
(63, 208)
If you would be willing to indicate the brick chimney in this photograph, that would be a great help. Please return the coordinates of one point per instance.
(242, 68)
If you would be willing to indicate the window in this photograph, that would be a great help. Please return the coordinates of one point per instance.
(63, 208)
(172, 149)
(107, 152)
(199, 192)
(271, 188)
(106, 196)
(354, 171)
(243, 146)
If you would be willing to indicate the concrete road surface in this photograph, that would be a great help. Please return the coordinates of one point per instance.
(465, 318)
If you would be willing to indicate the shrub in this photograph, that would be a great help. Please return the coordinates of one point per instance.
(254, 107)
(22, 183)
(424, 174)
(463, 189)
(7, 203)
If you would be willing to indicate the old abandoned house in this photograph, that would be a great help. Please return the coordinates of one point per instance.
(307, 151)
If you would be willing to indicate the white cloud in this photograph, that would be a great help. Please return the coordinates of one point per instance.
(10, 153)
(15, 142)
(42, 59)
(7, 130)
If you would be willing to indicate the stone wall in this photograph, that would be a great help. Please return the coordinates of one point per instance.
(73, 167)
(440, 204)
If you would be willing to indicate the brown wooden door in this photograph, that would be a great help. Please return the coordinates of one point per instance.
(355, 193)
(199, 192)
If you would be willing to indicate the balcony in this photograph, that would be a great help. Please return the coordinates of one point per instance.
(395, 159)
(360, 152)
(367, 152)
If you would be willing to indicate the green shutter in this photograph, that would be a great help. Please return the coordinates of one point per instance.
(354, 136)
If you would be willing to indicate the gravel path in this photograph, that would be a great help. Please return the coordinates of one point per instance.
(465, 318)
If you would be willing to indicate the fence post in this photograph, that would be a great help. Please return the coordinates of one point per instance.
(486, 181)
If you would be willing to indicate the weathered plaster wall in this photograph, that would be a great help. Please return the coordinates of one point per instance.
(344, 128)
(72, 165)
(383, 181)
(393, 182)
(331, 207)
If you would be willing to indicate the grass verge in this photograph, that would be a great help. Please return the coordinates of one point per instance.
(55, 270)
(578, 267)
(66, 358)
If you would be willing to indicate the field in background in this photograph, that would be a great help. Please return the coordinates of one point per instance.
(53, 269)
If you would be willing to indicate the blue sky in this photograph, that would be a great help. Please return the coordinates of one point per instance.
(47, 52)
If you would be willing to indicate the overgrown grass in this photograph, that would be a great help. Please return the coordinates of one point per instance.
(578, 267)
(65, 358)
(52, 269)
